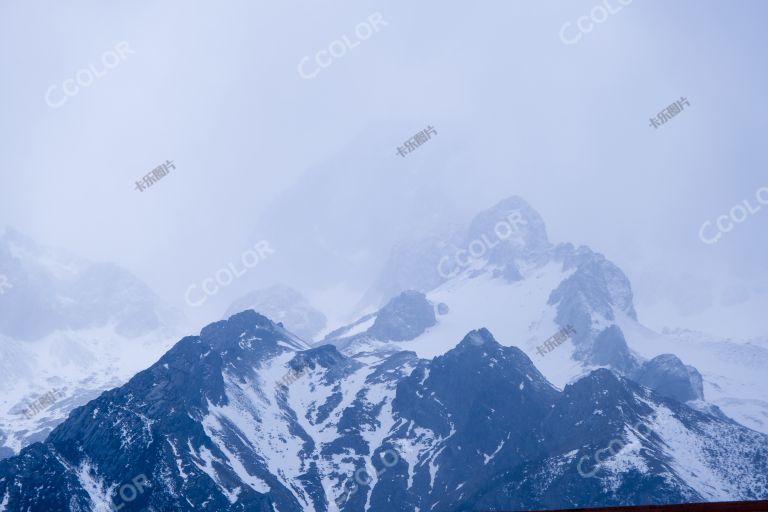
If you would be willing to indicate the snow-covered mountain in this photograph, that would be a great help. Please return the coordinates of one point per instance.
(245, 416)
(732, 370)
(414, 406)
(503, 273)
(72, 326)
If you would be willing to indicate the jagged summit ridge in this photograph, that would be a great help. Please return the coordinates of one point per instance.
(216, 422)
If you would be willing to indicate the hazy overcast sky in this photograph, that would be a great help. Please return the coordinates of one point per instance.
(215, 87)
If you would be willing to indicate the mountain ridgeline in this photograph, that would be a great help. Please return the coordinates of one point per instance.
(215, 424)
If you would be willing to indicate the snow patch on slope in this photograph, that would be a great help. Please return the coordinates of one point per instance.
(98, 493)
(709, 463)
(733, 372)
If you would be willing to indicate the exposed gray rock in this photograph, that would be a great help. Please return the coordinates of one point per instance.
(668, 376)
(403, 318)
(610, 349)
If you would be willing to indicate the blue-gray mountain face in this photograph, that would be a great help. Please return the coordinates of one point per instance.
(501, 271)
(508, 242)
(246, 417)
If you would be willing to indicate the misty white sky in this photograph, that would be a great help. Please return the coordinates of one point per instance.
(214, 86)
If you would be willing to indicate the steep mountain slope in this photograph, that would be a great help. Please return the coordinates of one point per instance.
(71, 328)
(504, 270)
(659, 451)
(732, 371)
(246, 417)
(501, 271)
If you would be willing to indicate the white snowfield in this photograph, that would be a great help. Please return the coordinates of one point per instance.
(734, 371)
(688, 456)
(78, 328)
(264, 411)
(79, 365)
(517, 314)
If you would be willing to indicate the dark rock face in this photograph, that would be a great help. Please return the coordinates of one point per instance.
(511, 230)
(404, 318)
(212, 426)
(668, 376)
(596, 286)
(511, 273)
(571, 436)
(138, 429)
(610, 349)
(509, 242)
